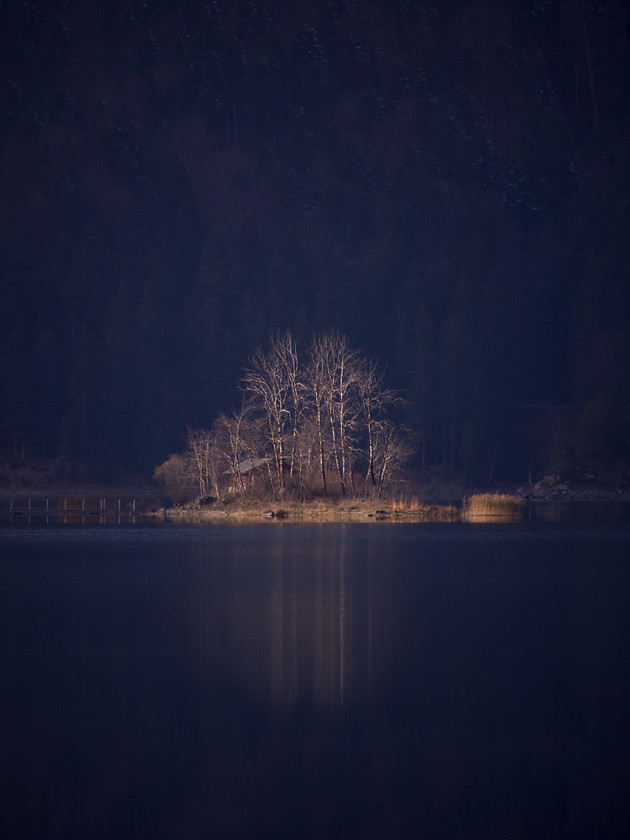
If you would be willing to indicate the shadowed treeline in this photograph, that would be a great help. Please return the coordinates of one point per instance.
(447, 186)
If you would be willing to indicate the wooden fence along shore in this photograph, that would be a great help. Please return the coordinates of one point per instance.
(75, 510)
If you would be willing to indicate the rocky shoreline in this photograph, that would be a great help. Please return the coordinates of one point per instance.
(554, 487)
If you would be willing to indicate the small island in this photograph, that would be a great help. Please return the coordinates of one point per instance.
(316, 436)
(314, 429)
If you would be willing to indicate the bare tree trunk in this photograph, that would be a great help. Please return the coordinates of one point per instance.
(274, 383)
(317, 385)
(320, 443)
(343, 402)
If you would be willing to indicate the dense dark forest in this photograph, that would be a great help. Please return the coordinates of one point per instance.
(447, 184)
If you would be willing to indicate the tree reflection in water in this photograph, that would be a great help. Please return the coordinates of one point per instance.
(302, 625)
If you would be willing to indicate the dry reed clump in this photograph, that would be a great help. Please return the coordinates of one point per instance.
(415, 508)
(493, 504)
(407, 504)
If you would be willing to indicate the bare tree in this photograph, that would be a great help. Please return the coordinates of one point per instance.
(318, 386)
(200, 452)
(376, 401)
(284, 352)
(392, 450)
(343, 374)
(272, 384)
(349, 402)
(235, 442)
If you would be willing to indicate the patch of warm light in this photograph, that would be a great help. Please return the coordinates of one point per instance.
(486, 505)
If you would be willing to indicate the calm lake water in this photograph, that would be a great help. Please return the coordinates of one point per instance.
(315, 681)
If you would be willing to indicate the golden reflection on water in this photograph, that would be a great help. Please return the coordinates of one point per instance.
(299, 622)
(485, 518)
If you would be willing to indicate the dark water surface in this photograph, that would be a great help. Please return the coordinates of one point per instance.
(329, 681)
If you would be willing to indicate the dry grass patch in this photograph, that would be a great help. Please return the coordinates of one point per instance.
(331, 509)
(407, 504)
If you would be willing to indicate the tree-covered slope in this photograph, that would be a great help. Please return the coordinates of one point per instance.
(446, 184)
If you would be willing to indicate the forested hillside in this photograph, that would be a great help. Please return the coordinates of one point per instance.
(447, 184)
